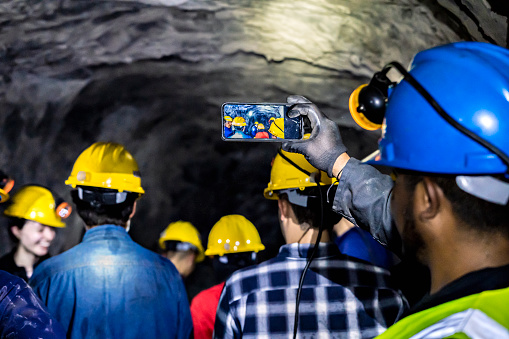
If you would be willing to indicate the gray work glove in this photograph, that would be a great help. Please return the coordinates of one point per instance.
(324, 145)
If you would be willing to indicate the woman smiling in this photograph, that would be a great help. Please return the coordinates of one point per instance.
(33, 214)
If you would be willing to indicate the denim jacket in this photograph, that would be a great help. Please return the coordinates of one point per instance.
(110, 287)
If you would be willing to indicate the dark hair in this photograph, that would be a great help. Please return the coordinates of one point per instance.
(94, 214)
(18, 222)
(234, 262)
(476, 214)
(312, 214)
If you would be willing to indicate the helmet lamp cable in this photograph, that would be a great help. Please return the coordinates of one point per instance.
(317, 242)
(426, 95)
(309, 260)
(302, 236)
(293, 163)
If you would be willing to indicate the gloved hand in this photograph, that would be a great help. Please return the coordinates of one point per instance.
(324, 145)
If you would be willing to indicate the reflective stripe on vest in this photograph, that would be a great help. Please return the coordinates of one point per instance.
(473, 323)
(483, 315)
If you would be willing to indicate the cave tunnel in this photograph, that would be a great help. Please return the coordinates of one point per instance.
(152, 75)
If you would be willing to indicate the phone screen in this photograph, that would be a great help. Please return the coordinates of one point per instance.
(259, 122)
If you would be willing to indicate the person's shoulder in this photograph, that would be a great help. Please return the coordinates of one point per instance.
(252, 270)
(6, 261)
(144, 254)
(11, 285)
(47, 268)
(207, 294)
(151, 260)
(60, 263)
(9, 281)
(247, 279)
(355, 265)
(350, 271)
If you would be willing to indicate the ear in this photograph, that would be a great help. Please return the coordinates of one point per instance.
(192, 258)
(284, 209)
(428, 199)
(134, 210)
(16, 231)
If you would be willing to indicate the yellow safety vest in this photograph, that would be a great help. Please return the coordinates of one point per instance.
(479, 316)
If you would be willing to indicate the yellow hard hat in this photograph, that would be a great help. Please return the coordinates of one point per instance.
(6, 185)
(233, 234)
(185, 232)
(277, 128)
(293, 171)
(260, 126)
(239, 121)
(4, 196)
(38, 204)
(106, 165)
(228, 118)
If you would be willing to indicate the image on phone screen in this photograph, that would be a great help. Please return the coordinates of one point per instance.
(259, 122)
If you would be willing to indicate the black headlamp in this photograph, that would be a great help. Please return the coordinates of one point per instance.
(101, 197)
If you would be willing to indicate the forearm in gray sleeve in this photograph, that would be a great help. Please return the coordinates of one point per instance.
(363, 197)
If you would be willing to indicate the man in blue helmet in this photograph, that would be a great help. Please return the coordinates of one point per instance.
(445, 128)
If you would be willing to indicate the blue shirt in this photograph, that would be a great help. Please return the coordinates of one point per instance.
(22, 314)
(228, 132)
(358, 243)
(341, 297)
(110, 287)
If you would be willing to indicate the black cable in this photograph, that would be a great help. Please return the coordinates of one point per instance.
(315, 248)
(426, 95)
(311, 257)
(293, 163)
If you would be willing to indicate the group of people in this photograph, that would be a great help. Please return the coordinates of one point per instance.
(444, 207)
(238, 128)
(107, 286)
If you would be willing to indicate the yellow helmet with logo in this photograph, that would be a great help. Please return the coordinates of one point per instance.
(239, 121)
(277, 128)
(233, 234)
(106, 165)
(38, 204)
(293, 171)
(185, 232)
(6, 185)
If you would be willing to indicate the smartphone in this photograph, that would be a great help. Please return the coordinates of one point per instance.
(259, 122)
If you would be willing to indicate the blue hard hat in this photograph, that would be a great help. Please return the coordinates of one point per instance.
(470, 81)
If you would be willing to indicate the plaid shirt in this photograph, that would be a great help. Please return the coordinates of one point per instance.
(341, 297)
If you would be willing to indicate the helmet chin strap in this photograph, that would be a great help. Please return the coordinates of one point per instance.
(485, 187)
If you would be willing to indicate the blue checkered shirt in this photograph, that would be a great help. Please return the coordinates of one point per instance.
(342, 297)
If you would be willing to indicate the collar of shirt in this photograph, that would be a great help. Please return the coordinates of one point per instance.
(105, 231)
(301, 251)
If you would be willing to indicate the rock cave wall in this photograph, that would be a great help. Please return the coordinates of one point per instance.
(153, 74)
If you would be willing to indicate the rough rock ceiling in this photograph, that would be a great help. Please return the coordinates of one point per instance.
(152, 75)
